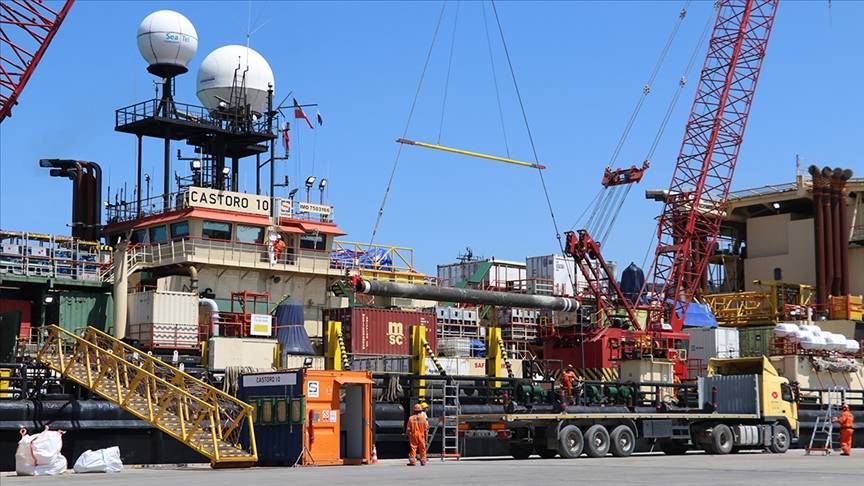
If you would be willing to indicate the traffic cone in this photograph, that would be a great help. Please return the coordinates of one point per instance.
(374, 454)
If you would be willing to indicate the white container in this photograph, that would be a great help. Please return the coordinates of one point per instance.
(231, 351)
(720, 342)
(163, 307)
(557, 270)
(293, 361)
(457, 366)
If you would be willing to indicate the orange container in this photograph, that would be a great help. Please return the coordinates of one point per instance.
(339, 417)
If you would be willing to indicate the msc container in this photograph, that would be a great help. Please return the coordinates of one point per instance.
(720, 342)
(23, 306)
(756, 341)
(499, 274)
(369, 331)
(163, 319)
(257, 353)
(555, 270)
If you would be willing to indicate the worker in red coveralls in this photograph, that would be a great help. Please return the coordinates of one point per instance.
(846, 422)
(416, 429)
(568, 380)
(278, 248)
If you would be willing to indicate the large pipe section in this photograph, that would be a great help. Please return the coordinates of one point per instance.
(831, 228)
(465, 296)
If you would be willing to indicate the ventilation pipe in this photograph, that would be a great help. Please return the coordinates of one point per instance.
(213, 307)
(819, 234)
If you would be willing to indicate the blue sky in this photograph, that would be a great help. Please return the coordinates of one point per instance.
(580, 67)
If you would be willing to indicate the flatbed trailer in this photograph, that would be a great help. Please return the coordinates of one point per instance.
(742, 404)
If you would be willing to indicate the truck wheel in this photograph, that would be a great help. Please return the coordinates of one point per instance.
(521, 451)
(721, 440)
(545, 453)
(570, 442)
(781, 439)
(622, 441)
(596, 441)
(672, 447)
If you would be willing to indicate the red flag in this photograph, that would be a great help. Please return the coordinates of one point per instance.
(300, 114)
(286, 139)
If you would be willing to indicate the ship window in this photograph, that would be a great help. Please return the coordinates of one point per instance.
(180, 230)
(139, 236)
(312, 241)
(250, 234)
(216, 230)
(158, 234)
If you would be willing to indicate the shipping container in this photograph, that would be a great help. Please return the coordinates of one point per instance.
(23, 306)
(501, 275)
(756, 341)
(458, 366)
(163, 319)
(369, 331)
(75, 311)
(705, 343)
(555, 273)
(257, 353)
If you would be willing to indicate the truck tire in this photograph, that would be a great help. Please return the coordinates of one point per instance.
(622, 441)
(521, 451)
(596, 441)
(780, 440)
(673, 447)
(570, 442)
(721, 440)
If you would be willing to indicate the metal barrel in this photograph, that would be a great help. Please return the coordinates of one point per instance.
(465, 296)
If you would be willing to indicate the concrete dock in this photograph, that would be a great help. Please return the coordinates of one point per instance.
(792, 468)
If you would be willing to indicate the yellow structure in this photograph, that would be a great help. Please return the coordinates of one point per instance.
(470, 153)
(200, 416)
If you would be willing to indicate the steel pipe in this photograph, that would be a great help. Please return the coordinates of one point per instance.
(818, 235)
(465, 296)
(844, 232)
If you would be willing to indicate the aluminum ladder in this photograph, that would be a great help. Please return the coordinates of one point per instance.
(447, 422)
(823, 430)
(206, 419)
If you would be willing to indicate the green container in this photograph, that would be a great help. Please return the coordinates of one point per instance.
(77, 310)
(756, 341)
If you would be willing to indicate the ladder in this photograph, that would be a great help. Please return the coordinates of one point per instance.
(823, 430)
(448, 421)
(206, 419)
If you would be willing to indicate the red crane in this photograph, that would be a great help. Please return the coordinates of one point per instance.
(695, 204)
(26, 29)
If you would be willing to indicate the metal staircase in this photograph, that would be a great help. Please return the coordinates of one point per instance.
(213, 423)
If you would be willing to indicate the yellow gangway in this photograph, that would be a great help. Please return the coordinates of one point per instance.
(210, 421)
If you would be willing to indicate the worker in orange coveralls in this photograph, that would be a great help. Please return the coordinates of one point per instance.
(846, 422)
(416, 429)
(568, 379)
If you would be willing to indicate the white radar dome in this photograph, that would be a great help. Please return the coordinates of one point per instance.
(168, 41)
(216, 78)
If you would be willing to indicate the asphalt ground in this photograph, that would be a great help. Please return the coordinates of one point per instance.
(792, 468)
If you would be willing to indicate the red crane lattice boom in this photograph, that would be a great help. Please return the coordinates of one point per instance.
(26, 29)
(696, 202)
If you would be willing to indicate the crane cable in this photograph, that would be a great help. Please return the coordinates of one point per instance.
(449, 69)
(495, 81)
(407, 125)
(608, 208)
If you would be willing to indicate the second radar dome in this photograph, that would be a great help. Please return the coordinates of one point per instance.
(224, 69)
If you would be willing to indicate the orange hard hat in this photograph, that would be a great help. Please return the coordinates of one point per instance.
(417, 407)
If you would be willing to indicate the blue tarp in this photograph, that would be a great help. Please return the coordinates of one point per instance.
(698, 315)
(376, 258)
(290, 331)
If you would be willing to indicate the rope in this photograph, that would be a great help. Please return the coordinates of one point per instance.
(407, 124)
(449, 69)
(495, 80)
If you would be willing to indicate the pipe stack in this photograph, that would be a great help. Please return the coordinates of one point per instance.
(831, 230)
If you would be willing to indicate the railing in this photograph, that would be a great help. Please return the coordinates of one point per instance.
(759, 191)
(51, 256)
(204, 418)
(127, 211)
(239, 123)
(384, 258)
